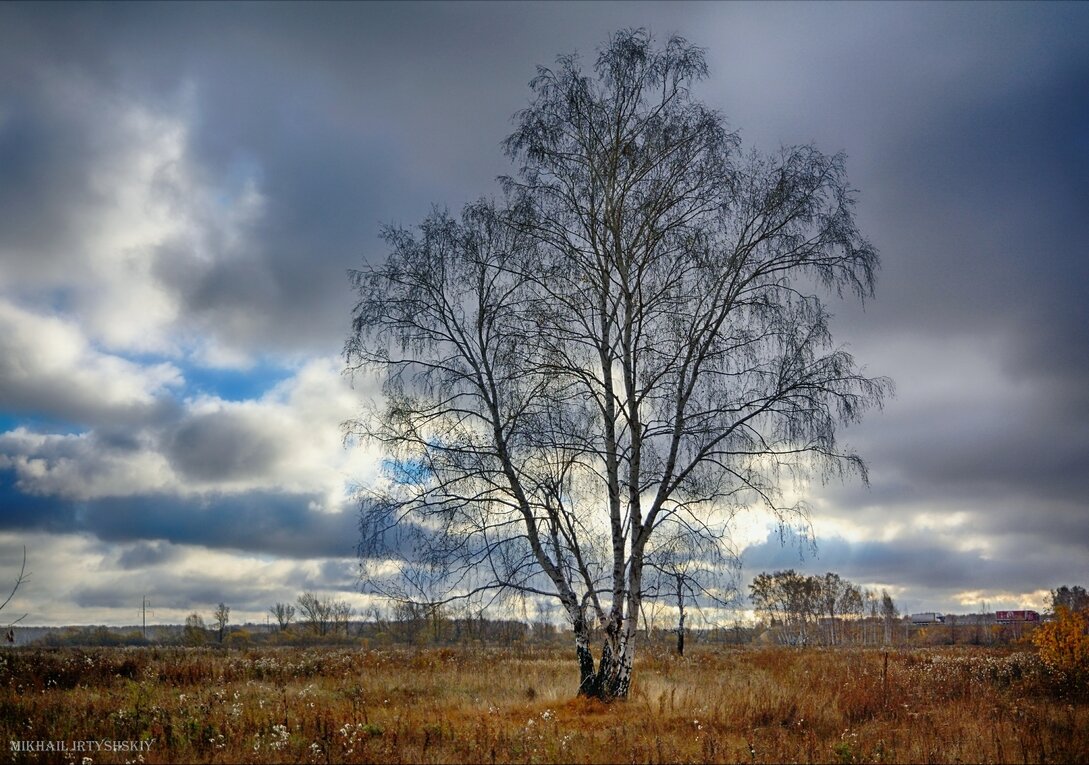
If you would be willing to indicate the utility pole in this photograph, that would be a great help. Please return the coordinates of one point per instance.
(143, 609)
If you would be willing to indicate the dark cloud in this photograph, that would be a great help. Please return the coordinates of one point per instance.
(24, 512)
(147, 554)
(168, 590)
(932, 569)
(988, 449)
(186, 593)
(43, 150)
(275, 524)
(259, 522)
(913, 562)
(344, 122)
(967, 136)
(337, 574)
(981, 226)
(224, 446)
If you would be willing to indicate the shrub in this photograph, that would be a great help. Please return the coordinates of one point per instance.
(239, 638)
(1064, 645)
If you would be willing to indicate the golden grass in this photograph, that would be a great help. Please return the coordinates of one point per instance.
(516, 705)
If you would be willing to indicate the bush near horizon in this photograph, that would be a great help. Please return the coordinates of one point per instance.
(1063, 644)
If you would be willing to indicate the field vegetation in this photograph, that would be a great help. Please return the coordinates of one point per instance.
(518, 704)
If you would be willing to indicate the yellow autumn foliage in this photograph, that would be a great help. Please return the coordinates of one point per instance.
(1064, 642)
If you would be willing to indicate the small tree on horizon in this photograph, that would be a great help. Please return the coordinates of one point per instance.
(691, 572)
(889, 614)
(852, 603)
(194, 632)
(832, 588)
(222, 617)
(341, 613)
(1063, 644)
(283, 613)
(317, 611)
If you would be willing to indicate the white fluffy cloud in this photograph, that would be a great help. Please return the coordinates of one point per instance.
(288, 440)
(131, 208)
(47, 365)
(80, 466)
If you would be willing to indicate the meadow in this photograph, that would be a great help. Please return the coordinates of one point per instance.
(462, 704)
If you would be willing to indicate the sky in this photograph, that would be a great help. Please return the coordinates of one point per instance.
(184, 187)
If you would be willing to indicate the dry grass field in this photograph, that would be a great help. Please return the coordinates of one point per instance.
(718, 704)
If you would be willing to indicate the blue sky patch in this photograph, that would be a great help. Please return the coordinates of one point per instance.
(38, 423)
(234, 384)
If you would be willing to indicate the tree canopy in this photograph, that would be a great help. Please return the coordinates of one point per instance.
(632, 338)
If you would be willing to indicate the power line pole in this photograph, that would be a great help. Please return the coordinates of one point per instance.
(144, 611)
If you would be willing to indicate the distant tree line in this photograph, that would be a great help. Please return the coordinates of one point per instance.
(814, 609)
(321, 615)
(791, 608)
(1073, 599)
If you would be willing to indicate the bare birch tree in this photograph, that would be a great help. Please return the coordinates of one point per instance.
(283, 613)
(317, 611)
(851, 604)
(692, 569)
(342, 613)
(889, 614)
(832, 590)
(222, 617)
(632, 337)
